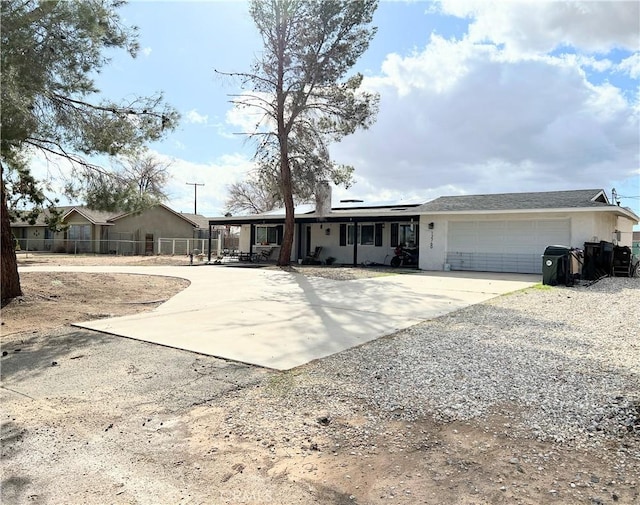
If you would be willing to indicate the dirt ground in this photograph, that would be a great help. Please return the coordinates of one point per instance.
(90, 418)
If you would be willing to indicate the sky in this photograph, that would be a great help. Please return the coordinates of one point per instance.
(475, 98)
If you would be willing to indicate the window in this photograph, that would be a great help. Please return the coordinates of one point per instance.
(368, 234)
(404, 235)
(79, 232)
(268, 235)
(407, 234)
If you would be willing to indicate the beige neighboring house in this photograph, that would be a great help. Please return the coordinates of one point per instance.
(90, 231)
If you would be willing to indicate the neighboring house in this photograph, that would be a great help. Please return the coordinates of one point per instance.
(500, 232)
(90, 231)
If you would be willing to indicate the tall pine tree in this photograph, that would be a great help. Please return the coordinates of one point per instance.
(50, 51)
(301, 89)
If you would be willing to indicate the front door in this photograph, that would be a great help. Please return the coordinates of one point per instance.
(148, 244)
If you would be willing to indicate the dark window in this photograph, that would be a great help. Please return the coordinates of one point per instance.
(343, 234)
(266, 235)
(394, 234)
(378, 239)
(366, 234)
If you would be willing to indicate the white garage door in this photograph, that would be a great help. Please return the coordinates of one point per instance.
(504, 246)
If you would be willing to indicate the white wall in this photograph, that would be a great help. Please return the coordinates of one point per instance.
(585, 227)
(245, 238)
(433, 243)
(331, 244)
(625, 226)
(344, 254)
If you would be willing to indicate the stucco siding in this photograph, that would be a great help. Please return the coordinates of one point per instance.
(583, 227)
(156, 221)
(625, 227)
(433, 243)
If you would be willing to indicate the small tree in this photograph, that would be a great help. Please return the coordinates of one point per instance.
(50, 52)
(301, 90)
(252, 196)
(137, 182)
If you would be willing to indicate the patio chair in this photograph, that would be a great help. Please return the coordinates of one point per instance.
(265, 254)
(313, 259)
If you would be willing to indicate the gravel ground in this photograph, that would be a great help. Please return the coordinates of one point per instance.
(559, 365)
(568, 357)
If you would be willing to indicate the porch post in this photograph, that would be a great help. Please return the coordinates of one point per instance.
(209, 246)
(252, 238)
(299, 242)
(355, 244)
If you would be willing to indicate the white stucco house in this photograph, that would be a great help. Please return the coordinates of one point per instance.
(495, 232)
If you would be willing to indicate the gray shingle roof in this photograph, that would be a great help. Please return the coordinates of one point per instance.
(518, 201)
(101, 217)
(94, 216)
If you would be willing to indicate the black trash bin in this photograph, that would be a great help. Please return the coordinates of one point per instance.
(598, 260)
(556, 266)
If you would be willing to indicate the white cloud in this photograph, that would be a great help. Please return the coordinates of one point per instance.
(541, 26)
(194, 117)
(146, 51)
(437, 68)
(500, 124)
(248, 117)
(216, 176)
(631, 66)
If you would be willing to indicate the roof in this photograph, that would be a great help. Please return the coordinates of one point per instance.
(103, 218)
(196, 220)
(579, 198)
(343, 214)
(93, 216)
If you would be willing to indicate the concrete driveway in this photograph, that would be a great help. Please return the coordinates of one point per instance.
(280, 320)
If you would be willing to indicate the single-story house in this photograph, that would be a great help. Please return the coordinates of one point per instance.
(496, 232)
(90, 231)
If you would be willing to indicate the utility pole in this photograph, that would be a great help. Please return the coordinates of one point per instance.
(195, 196)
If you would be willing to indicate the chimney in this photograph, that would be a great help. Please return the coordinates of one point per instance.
(323, 198)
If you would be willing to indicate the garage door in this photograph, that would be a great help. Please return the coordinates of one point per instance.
(504, 246)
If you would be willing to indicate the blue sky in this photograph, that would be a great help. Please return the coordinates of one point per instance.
(476, 97)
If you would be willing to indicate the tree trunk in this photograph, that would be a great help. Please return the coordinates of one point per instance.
(9, 270)
(289, 220)
(282, 21)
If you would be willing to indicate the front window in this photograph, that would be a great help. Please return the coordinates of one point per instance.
(266, 235)
(366, 234)
(407, 235)
(79, 232)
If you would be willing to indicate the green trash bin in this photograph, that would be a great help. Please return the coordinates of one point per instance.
(555, 265)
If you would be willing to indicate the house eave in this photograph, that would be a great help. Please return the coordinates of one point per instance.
(622, 211)
(333, 217)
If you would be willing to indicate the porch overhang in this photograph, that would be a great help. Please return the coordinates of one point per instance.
(333, 218)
